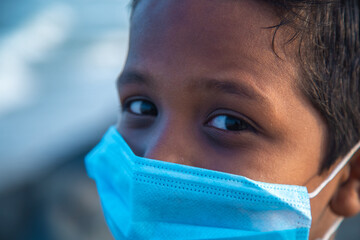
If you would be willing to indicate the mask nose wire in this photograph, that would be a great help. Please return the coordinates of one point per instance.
(338, 168)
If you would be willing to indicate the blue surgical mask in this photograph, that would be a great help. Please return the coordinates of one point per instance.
(150, 199)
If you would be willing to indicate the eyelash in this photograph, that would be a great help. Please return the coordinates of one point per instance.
(127, 107)
(238, 122)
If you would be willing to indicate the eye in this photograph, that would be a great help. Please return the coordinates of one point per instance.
(229, 123)
(141, 107)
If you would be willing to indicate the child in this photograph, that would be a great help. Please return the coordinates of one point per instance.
(232, 111)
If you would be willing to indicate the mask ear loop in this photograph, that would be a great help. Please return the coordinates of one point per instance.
(336, 171)
(332, 229)
(338, 168)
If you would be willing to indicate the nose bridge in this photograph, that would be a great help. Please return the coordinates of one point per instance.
(168, 143)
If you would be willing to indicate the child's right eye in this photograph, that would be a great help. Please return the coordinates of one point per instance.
(141, 107)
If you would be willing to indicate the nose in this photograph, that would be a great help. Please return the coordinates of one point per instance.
(170, 143)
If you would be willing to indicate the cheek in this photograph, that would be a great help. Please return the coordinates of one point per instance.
(135, 139)
(260, 161)
(304, 137)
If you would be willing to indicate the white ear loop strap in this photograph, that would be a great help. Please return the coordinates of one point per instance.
(336, 171)
(332, 229)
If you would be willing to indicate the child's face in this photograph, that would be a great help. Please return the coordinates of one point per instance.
(203, 87)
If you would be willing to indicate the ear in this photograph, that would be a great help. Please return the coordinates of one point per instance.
(346, 201)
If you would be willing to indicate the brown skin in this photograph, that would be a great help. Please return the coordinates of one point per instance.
(195, 65)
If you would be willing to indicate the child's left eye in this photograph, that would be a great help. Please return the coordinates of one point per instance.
(229, 123)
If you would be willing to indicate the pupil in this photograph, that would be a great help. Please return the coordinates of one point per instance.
(147, 108)
(234, 124)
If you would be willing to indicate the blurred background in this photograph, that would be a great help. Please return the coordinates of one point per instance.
(58, 63)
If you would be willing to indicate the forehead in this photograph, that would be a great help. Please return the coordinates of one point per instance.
(200, 35)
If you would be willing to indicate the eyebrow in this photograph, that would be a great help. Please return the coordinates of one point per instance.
(132, 77)
(229, 86)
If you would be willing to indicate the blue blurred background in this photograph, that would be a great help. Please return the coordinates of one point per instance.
(58, 63)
